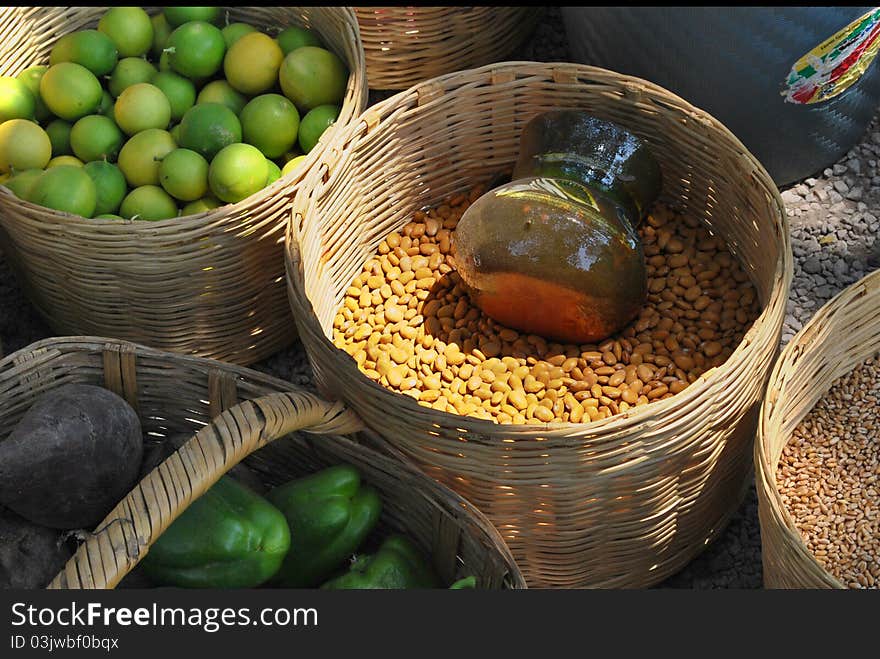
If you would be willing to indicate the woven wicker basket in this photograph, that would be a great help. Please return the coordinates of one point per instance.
(622, 502)
(843, 333)
(405, 45)
(209, 284)
(176, 394)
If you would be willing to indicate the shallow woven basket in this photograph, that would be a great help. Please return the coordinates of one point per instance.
(622, 502)
(841, 335)
(405, 45)
(176, 394)
(209, 284)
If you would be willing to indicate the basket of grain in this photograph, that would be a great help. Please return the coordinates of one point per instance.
(817, 458)
(209, 283)
(606, 465)
(405, 45)
(233, 414)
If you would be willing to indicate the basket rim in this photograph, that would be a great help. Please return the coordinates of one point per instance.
(438, 493)
(355, 101)
(384, 112)
(802, 345)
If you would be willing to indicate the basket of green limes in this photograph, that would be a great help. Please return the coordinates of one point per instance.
(149, 158)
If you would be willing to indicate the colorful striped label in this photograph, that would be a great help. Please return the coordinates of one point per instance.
(836, 64)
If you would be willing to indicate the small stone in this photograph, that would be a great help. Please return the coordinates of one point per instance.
(802, 190)
(835, 197)
(854, 165)
(855, 194)
(811, 181)
(812, 265)
(840, 268)
(821, 193)
(791, 196)
(840, 186)
(838, 169)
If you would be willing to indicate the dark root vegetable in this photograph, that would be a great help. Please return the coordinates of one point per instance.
(30, 555)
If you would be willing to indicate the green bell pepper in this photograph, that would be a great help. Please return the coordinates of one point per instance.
(396, 565)
(230, 537)
(330, 513)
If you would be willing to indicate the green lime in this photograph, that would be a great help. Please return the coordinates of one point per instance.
(95, 137)
(165, 61)
(23, 145)
(292, 164)
(177, 16)
(140, 107)
(90, 48)
(313, 125)
(270, 122)
(130, 71)
(31, 77)
(196, 49)
(67, 161)
(58, 131)
(235, 31)
(175, 133)
(312, 76)
(161, 30)
(141, 155)
(180, 91)
(237, 172)
(220, 91)
(16, 99)
(208, 127)
(184, 175)
(148, 202)
(21, 183)
(274, 172)
(65, 188)
(200, 206)
(130, 28)
(251, 65)
(110, 186)
(296, 37)
(106, 107)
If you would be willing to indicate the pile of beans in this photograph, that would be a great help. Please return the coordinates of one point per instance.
(409, 324)
(829, 478)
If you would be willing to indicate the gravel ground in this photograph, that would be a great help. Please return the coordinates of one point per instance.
(833, 238)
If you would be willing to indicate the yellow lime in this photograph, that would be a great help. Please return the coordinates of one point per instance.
(220, 91)
(95, 137)
(313, 125)
(140, 107)
(196, 49)
(110, 186)
(177, 16)
(184, 175)
(208, 127)
(312, 76)
(251, 65)
(161, 30)
(16, 100)
(65, 188)
(274, 173)
(292, 164)
(141, 155)
(235, 31)
(21, 183)
(201, 205)
(91, 48)
(58, 131)
(270, 122)
(31, 77)
(70, 90)
(23, 145)
(237, 172)
(296, 37)
(148, 202)
(130, 71)
(180, 92)
(130, 29)
(66, 161)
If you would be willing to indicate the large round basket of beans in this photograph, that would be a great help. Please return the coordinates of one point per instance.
(605, 464)
(817, 458)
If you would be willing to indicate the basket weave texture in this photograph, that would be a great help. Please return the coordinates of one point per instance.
(841, 335)
(235, 413)
(209, 284)
(622, 502)
(406, 45)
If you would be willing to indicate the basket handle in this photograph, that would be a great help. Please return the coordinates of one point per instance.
(125, 535)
